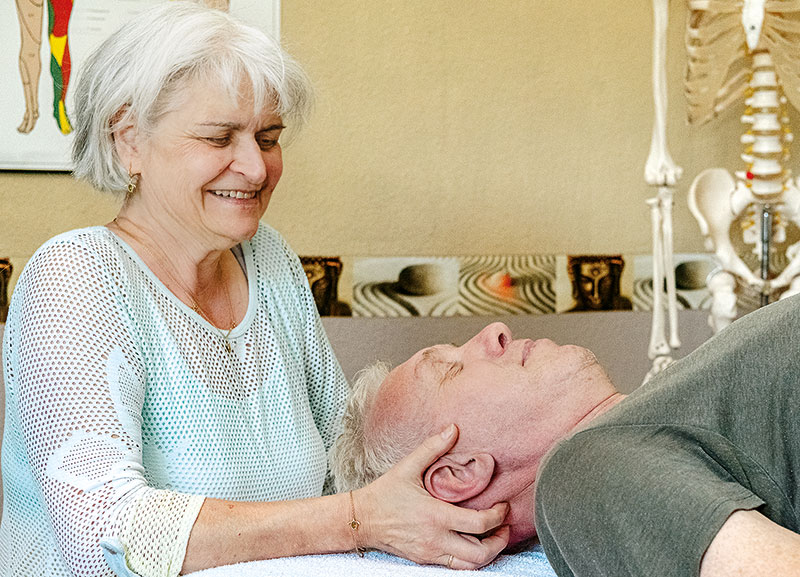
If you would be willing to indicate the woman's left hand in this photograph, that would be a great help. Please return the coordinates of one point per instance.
(399, 516)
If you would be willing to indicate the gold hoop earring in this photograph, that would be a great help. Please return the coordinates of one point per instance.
(133, 181)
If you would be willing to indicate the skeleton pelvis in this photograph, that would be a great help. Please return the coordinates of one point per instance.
(716, 200)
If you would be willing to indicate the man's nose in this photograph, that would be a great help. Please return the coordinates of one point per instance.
(493, 339)
(249, 161)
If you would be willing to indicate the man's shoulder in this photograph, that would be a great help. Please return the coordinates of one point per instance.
(613, 495)
(612, 456)
(565, 469)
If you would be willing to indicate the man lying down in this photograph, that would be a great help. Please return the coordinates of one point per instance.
(696, 472)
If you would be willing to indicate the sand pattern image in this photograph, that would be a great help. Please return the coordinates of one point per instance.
(454, 286)
(498, 285)
(405, 287)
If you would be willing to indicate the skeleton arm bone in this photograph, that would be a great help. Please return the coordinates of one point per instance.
(660, 169)
(658, 342)
(665, 205)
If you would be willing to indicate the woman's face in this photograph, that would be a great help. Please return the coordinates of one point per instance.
(208, 169)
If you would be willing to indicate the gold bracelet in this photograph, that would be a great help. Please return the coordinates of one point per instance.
(354, 525)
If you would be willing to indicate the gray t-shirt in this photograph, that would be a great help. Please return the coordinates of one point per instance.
(644, 489)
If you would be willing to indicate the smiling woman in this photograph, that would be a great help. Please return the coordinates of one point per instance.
(206, 171)
(171, 393)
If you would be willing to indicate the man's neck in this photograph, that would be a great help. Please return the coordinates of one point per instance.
(598, 410)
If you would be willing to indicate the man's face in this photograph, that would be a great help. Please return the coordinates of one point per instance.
(510, 398)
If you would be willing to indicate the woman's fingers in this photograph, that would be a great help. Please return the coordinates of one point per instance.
(472, 553)
(431, 449)
(468, 550)
(474, 522)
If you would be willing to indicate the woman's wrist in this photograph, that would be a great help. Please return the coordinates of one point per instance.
(355, 525)
(362, 506)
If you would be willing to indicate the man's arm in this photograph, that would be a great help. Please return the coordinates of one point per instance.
(749, 544)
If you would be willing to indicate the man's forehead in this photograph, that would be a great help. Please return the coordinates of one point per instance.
(399, 397)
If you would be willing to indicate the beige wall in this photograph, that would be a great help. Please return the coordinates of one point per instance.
(455, 127)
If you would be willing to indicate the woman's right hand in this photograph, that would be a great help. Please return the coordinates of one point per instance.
(399, 516)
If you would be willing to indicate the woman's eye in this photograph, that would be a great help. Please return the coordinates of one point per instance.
(267, 143)
(218, 140)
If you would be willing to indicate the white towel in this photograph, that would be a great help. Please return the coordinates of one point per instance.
(528, 563)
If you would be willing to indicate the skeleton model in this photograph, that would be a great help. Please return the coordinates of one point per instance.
(744, 48)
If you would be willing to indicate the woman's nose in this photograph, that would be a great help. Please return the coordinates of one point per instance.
(493, 339)
(249, 161)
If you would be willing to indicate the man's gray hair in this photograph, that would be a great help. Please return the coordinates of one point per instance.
(135, 75)
(356, 461)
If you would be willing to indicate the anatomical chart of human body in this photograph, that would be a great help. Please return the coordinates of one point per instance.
(44, 43)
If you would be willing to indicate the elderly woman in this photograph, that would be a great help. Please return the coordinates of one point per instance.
(171, 393)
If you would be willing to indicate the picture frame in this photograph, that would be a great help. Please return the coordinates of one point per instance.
(35, 126)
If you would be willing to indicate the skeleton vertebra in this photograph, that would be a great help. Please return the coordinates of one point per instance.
(742, 48)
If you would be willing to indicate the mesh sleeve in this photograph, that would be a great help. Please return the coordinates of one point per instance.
(80, 389)
(327, 386)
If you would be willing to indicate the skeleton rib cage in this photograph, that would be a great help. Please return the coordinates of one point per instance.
(719, 63)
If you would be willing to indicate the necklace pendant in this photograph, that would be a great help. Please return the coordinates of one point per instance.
(228, 346)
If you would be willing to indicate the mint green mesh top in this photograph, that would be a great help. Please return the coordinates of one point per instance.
(125, 408)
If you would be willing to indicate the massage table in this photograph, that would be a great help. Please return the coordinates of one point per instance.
(530, 562)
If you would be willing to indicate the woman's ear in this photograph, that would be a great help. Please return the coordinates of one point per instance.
(456, 477)
(126, 142)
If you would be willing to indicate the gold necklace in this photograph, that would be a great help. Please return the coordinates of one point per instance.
(195, 306)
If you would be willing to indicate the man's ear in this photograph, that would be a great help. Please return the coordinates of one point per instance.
(456, 477)
(126, 142)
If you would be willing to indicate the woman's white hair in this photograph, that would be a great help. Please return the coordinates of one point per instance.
(356, 462)
(134, 76)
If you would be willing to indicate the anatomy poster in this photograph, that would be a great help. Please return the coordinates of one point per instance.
(43, 45)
